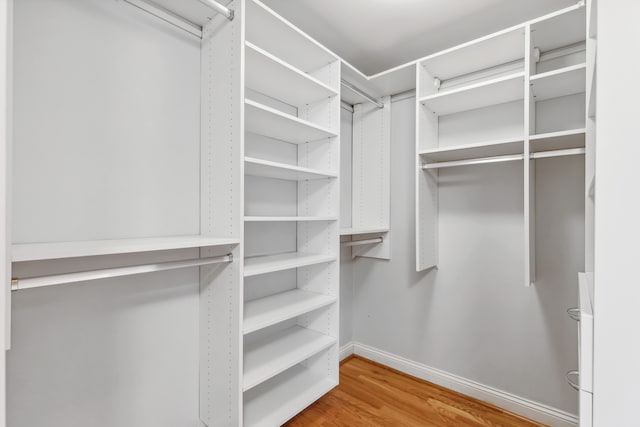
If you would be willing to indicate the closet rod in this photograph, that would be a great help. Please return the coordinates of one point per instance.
(361, 242)
(361, 93)
(81, 276)
(222, 10)
(507, 158)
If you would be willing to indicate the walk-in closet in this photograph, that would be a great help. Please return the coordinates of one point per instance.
(256, 213)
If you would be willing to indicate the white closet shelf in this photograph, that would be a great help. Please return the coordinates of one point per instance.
(562, 82)
(270, 355)
(472, 151)
(277, 400)
(362, 230)
(271, 76)
(44, 251)
(270, 122)
(498, 48)
(562, 28)
(562, 140)
(271, 263)
(269, 169)
(289, 218)
(483, 94)
(273, 309)
(281, 38)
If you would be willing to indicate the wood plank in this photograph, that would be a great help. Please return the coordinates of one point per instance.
(371, 395)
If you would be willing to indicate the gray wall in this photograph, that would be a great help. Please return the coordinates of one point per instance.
(472, 316)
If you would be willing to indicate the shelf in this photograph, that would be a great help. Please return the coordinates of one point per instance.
(557, 83)
(491, 92)
(281, 38)
(563, 28)
(499, 48)
(472, 151)
(268, 311)
(269, 169)
(273, 354)
(44, 251)
(270, 122)
(364, 230)
(277, 400)
(271, 263)
(288, 218)
(563, 140)
(273, 77)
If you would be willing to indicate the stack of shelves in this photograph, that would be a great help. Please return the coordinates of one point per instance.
(290, 323)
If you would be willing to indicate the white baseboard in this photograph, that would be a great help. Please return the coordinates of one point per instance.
(510, 402)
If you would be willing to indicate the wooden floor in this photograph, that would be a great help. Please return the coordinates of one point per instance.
(371, 395)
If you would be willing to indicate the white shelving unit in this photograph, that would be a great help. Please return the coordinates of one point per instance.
(557, 83)
(290, 322)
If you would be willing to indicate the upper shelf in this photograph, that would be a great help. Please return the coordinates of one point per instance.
(562, 82)
(269, 169)
(473, 151)
(254, 266)
(270, 122)
(286, 41)
(559, 29)
(44, 251)
(271, 76)
(491, 92)
(499, 48)
(557, 140)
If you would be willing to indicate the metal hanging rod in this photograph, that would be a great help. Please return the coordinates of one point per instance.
(506, 158)
(180, 21)
(59, 279)
(361, 93)
(362, 242)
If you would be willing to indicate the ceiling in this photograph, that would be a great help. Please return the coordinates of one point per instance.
(375, 35)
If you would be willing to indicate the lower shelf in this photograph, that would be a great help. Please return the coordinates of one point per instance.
(277, 400)
(272, 354)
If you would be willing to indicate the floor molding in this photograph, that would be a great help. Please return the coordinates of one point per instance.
(510, 402)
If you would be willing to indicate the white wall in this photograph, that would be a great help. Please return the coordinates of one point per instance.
(473, 317)
(617, 291)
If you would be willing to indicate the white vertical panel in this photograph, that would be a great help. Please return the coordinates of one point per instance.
(529, 166)
(222, 183)
(371, 174)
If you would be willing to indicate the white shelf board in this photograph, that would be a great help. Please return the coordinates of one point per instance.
(270, 122)
(288, 218)
(56, 250)
(269, 169)
(275, 353)
(495, 49)
(271, 76)
(268, 311)
(562, 140)
(558, 29)
(491, 92)
(473, 151)
(283, 39)
(279, 399)
(271, 263)
(362, 230)
(562, 82)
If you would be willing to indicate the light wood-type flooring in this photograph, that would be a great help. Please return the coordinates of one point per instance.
(371, 395)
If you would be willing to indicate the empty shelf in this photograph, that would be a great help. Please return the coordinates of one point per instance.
(472, 151)
(269, 169)
(363, 230)
(273, 354)
(273, 77)
(270, 122)
(277, 400)
(557, 140)
(288, 218)
(271, 263)
(42, 251)
(557, 83)
(491, 92)
(559, 29)
(264, 312)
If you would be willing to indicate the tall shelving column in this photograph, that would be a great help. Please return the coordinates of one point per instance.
(291, 277)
